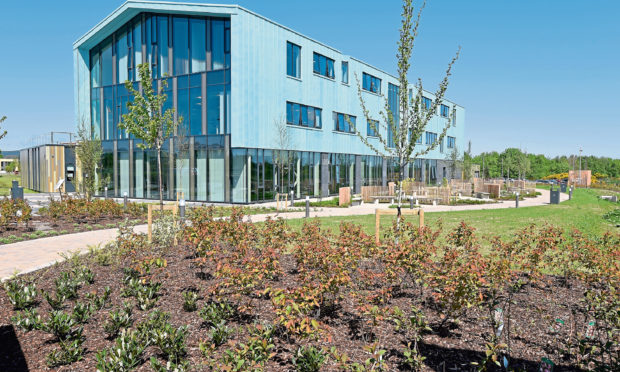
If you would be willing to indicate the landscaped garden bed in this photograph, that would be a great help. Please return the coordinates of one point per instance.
(237, 296)
(69, 215)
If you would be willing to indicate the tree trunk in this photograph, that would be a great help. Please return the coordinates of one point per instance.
(161, 192)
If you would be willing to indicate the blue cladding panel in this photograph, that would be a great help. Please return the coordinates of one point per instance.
(260, 85)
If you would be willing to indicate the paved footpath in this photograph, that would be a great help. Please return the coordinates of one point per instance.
(31, 255)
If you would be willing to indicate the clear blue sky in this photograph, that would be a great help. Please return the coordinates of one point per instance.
(540, 75)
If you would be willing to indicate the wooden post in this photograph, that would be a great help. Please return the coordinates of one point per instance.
(421, 217)
(150, 222)
(377, 225)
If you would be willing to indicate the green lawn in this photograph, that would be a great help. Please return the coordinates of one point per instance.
(583, 212)
(5, 184)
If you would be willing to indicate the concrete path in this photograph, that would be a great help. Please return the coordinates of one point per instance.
(31, 255)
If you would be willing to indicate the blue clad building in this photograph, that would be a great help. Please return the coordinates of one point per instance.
(263, 106)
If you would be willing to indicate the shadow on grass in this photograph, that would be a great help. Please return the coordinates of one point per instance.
(11, 356)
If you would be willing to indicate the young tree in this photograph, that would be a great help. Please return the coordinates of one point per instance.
(467, 163)
(413, 111)
(455, 160)
(147, 120)
(2, 132)
(88, 152)
(283, 143)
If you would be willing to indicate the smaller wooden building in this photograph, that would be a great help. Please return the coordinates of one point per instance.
(44, 166)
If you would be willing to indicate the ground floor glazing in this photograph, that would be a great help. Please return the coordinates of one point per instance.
(206, 168)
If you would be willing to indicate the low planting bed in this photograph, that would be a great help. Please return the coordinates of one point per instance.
(69, 215)
(236, 296)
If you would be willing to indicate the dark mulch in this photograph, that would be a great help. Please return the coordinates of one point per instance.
(61, 226)
(534, 312)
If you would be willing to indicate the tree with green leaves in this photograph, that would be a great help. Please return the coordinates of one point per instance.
(88, 152)
(455, 161)
(413, 115)
(147, 120)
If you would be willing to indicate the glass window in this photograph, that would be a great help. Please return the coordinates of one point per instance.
(195, 110)
(371, 83)
(238, 173)
(323, 65)
(106, 64)
(215, 108)
(227, 42)
(293, 60)
(296, 114)
(311, 117)
(108, 113)
(180, 46)
(345, 72)
(183, 109)
(451, 142)
(197, 31)
(95, 70)
(137, 50)
(289, 112)
(95, 110)
(341, 124)
(162, 45)
(304, 115)
(427, 102)
(454, 117)
(217, 44)
(373, 127)
(431, 138)
(445, 111)
(318, 118)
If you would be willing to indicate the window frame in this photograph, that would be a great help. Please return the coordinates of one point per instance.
(373, 81)
(369, 128)
(296, 111)
(293, 69)
(344, 68)
(427, 102)
(323, 61)
(444, 111)
(346, 128)
(451, 142)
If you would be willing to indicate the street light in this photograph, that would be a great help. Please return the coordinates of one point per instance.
(580, 150)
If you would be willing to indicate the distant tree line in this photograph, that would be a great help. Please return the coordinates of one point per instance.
(514, 163)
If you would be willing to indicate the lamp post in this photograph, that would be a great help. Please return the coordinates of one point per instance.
(580, 150)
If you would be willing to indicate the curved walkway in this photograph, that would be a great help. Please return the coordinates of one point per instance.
(31, 255)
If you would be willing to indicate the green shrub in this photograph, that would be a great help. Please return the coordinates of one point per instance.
(309, 359)
(27, 320)
(170, 366)
(56, 302)
(170, 340)
(14, 211)
(61, 325)
(189, 300)
(215, 313)
(70, 351)
(22, 295)
(99, 301)
(81, 312)
(219, 334)
(119, 319)
(125, 355)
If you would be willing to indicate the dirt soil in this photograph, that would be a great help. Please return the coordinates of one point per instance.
(533, 325)
(62, 226)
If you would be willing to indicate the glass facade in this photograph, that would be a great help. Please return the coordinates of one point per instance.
(191, 54)
(190, 60)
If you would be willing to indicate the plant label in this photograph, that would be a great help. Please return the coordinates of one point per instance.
(590, 329)
(498, 318)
